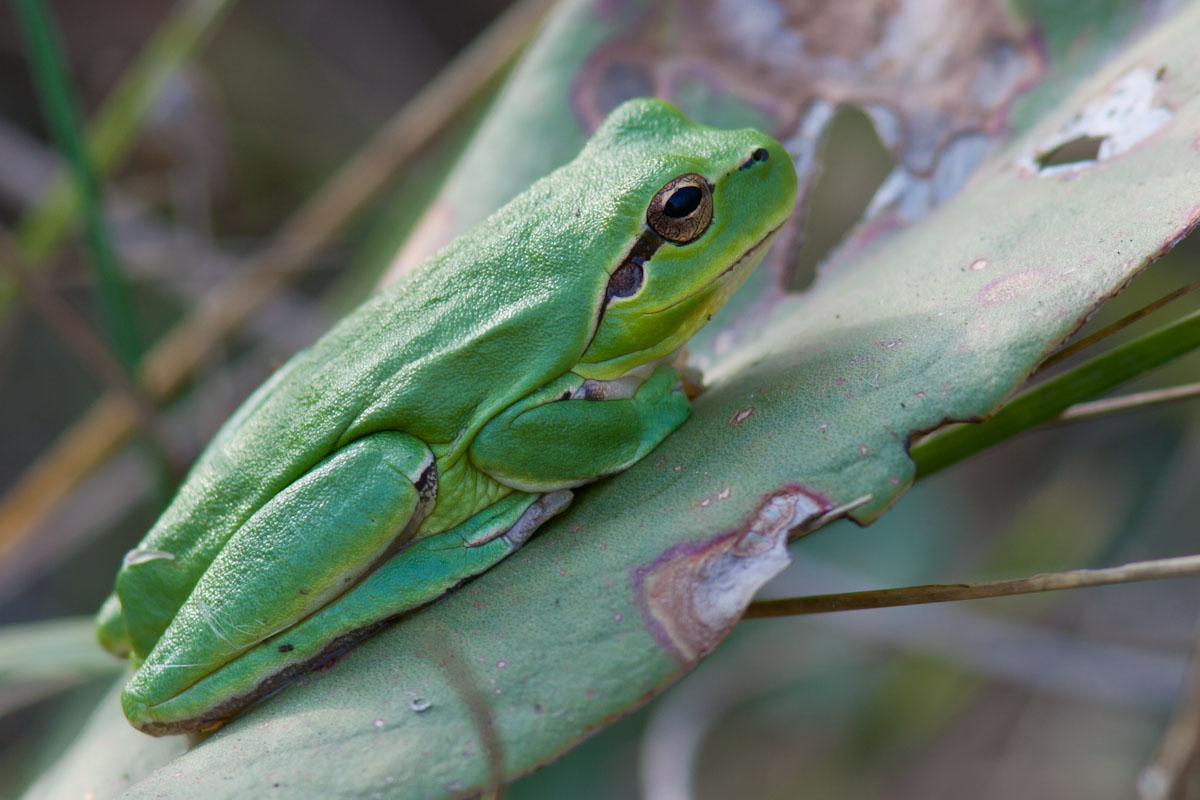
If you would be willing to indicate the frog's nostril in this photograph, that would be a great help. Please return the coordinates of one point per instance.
(759, 154)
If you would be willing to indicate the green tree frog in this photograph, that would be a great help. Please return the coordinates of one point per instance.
(430, 432)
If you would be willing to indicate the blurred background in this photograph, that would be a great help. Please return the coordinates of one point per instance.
(1061, 695)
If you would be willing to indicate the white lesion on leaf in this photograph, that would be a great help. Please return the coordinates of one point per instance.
(695, 597)
(1128, 113)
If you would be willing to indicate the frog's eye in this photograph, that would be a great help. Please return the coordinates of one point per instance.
(682, 209)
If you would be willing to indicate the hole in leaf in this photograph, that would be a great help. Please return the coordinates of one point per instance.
(1076, 151)
(854, 163)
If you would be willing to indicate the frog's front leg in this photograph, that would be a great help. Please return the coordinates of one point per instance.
(304, 548)
(565, 435)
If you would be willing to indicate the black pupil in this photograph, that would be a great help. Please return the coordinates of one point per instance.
(682, 201)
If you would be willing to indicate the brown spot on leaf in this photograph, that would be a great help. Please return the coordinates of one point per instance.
(693, 594)
(842, 30)
(948, 68)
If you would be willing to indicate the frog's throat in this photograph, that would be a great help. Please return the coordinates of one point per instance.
(752, 252)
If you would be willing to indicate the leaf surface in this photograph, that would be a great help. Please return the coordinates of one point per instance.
(810, 409)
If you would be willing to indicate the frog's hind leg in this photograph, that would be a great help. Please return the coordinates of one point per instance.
(417, 575)
(304, 548)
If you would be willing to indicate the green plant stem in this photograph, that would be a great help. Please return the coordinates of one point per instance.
(116, 125)
(1119, 325)
(58, 105)
(1049, 400)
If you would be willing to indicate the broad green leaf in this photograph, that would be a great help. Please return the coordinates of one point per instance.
(106, 759)
(649, 570)
(40, 658)
(1047, 401)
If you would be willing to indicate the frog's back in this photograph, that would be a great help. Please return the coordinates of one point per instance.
(496, 314)
(435, 357)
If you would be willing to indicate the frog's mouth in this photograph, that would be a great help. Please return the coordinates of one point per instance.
(754, 251)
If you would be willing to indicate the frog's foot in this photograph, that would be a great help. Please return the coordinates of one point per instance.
(413, 577)
(497, 521)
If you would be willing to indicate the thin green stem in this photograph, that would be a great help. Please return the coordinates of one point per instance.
(1122, 323)
(59, 106)
(1049, 400)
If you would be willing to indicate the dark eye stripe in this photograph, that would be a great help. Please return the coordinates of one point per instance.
(626, 281)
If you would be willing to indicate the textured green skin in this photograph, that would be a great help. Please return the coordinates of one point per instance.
(309, 487)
